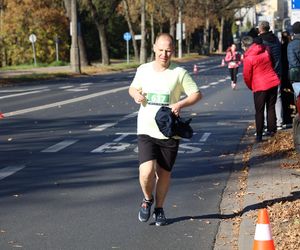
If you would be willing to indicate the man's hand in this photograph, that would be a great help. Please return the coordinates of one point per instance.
(139, 98)
(175, 108)
(137, 95)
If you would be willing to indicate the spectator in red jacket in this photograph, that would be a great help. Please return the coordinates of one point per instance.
(233, 58)
(260, 77)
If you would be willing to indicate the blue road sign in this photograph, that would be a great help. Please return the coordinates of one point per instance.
(295, 4)
(127, 36)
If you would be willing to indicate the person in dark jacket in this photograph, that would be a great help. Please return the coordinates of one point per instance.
(294, 62)
(293, 53)
(272, 41)
(286, 86)
(261, 78)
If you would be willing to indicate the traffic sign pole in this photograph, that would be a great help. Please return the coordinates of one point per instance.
(127, 46)
(127, 37)
(32, 39)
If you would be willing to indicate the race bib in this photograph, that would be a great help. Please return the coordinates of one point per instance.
(162, 99)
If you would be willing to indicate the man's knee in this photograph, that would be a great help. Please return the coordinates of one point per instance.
(147, 170)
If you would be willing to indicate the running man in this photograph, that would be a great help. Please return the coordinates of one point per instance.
(159, 83)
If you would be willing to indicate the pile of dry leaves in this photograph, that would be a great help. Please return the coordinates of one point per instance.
(285, 216)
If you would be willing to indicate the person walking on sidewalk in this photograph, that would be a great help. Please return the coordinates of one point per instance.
(261, 78)
(233, 58)
(269, 39)
(159, 83)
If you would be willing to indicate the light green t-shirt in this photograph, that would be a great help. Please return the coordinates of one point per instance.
(161, 89)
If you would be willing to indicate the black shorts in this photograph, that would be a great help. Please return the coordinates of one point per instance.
(164, 151)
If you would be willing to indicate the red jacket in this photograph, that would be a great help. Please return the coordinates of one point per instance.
(258, 71)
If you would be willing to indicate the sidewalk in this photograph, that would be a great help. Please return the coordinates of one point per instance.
(38, 70)
(266, 183)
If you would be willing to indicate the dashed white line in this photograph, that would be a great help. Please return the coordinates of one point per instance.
(204, 87)
(10, 170)
(77, 89)
(103, 126)
(66, 87)
(59, 146)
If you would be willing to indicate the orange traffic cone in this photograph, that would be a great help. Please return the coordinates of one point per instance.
(195, 68)
(223, 62)
(263, 236)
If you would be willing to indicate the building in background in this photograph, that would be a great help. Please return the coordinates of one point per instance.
(277, 12)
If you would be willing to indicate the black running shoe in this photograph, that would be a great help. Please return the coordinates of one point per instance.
(145, 210)
(159, 216)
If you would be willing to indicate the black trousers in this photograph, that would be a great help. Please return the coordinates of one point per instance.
(233, 74)
(261, 99)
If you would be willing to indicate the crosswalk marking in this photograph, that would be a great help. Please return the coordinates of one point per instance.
(59, 146)
(10, 170)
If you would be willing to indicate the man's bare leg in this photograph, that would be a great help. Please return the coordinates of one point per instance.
(162, 186)
(147, 178)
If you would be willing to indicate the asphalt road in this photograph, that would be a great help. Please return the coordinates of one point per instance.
(69, 170)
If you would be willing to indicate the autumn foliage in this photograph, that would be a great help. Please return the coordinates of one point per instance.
(44, 18)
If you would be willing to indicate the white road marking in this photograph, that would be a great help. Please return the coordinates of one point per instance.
(103, 126)
(214, 83)
(10, 170)
(21, 90)
(59, 146)
(204, 137)
(25, 93)
(122, 136)
(77, 89)
(129, 116)
(86, 84)
(66, 87)
(56, 104)
(108, 125)
(204, 87)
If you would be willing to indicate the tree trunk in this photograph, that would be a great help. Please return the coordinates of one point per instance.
(81, 44)
(152, 36)
(173, 27)
(143, 53)
(188, 43)
(2, 50)
(129, 23)
(206, 31)
(220, 46)
(211, 42)
(103, 43)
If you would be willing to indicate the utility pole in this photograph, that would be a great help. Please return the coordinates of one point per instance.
(180, 29)
(75, 61)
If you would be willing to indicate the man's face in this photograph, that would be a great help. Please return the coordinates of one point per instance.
(163, 50)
